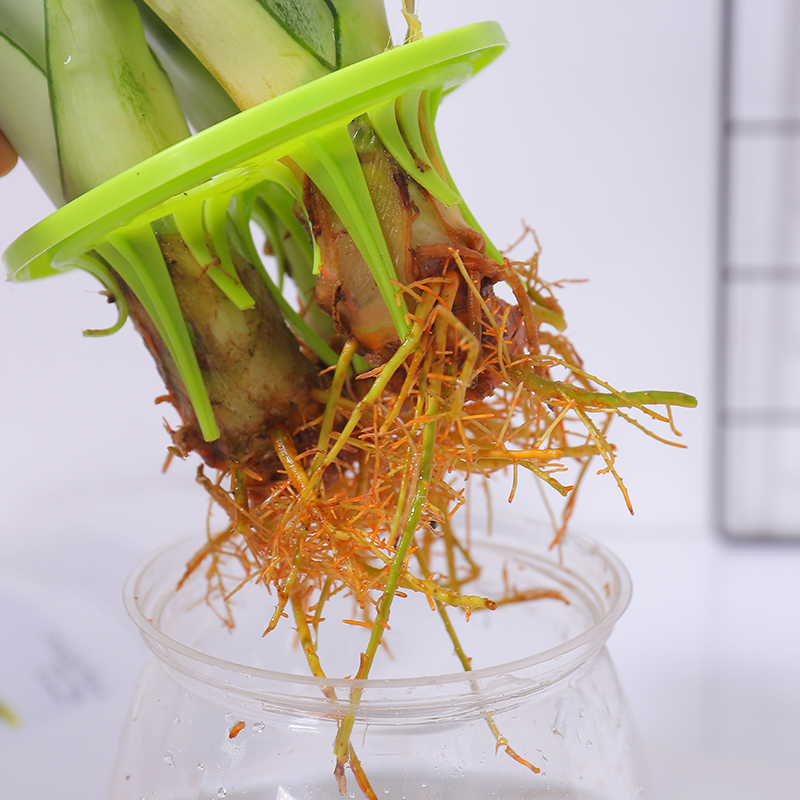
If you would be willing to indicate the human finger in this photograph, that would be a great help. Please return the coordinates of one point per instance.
(8, 155)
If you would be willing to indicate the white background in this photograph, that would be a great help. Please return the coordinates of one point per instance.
(598, 128)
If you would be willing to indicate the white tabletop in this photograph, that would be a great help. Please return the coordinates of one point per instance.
(708, 653)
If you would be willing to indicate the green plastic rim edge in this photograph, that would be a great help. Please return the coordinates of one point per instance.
(227, 158)
(196, 181)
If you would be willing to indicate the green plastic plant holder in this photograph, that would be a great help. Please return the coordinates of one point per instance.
(195, 181)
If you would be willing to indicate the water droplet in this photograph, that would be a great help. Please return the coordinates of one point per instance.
(258, 727)
(559, 723)
(176, 721)
(589, 744)
(201, 766)
(168, 759)
(456, 772)
(69, 58)
(221, 792)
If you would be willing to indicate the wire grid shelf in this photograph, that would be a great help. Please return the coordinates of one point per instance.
(757, 454)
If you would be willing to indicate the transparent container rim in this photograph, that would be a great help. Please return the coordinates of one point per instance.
(593, 637)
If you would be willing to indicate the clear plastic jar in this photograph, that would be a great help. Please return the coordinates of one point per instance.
(223, 713)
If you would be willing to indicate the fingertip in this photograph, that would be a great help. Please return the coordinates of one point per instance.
(8, 155)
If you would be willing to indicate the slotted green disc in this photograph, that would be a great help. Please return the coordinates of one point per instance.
(232, 155)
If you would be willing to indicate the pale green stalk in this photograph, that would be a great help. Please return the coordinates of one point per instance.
(129, 94)
(23, 85)
(203, 100)
(287, 42)
(22, 21)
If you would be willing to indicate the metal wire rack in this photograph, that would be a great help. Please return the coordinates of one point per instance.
(757, 457)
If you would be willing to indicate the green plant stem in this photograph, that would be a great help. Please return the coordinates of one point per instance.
(341, 745)
(557, 390)
(408, 346)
